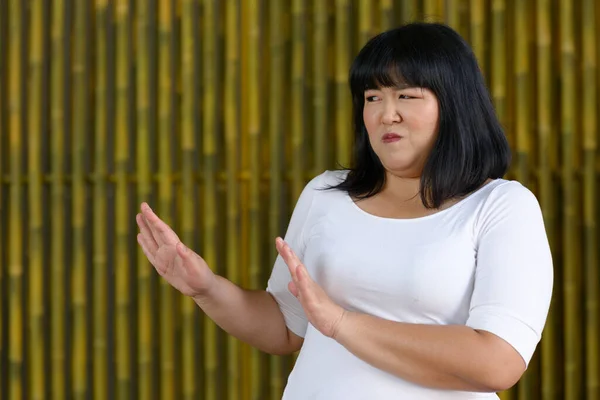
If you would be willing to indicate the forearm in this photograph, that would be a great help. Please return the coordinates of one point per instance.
(445, 357)
(251, 316)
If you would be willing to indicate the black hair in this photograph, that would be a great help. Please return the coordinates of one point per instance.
(470, 147)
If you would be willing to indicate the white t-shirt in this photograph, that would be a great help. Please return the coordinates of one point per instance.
(484, 262)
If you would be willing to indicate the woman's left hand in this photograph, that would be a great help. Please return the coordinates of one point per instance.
(321, 311)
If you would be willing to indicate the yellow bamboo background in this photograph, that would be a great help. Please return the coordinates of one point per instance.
(217, 112)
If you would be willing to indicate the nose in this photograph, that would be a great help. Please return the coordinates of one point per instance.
(391, 114)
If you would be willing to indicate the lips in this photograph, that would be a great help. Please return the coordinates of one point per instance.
(391, 137)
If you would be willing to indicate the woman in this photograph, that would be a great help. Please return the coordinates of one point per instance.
(418, 274)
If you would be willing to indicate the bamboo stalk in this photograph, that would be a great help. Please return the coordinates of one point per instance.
(15, 241)
(80, 128)
(409, 11)
(122, 168)
(521, 65)
(100, 214)
(151, 32)
(365, 22)
(175, 165)
(498, 59)
(244, 190)
(572, 273)
(209, 128)
(79, 274)
(342, 96)
(298, 95)
(188, 210)
(36, 301)
(477, 24)
(320, 106)
(256, 236)
(433, 10)
(526, 386)
(453, 14)
(57, 196)
(245, 350)
(165, 116)
(546, 131)
(3, 132)
(386, 15)
(146, 358)
(232, 127)
(590, 147)
(276, 81)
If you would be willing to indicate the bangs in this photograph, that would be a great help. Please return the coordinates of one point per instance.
(388, 61)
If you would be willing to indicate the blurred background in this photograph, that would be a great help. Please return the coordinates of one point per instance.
(217, 113)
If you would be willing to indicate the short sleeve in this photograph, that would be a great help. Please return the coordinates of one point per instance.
(514, 274)
(277, 286)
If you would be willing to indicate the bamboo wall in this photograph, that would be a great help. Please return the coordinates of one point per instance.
(217, 113)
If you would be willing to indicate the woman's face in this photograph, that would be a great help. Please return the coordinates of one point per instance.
(402, 124)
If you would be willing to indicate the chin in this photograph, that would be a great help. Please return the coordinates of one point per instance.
(397, 165)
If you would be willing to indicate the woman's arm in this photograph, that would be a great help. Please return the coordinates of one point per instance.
(445, 357)
(252, 316)
(441, 356)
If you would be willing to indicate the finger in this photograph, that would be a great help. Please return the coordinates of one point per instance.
(293, 289)
(281, 249)
(188, 257)
(305, 285)
(146, 233)
(149, 255)
(184, 252)
(288, 256)
(293, 260)
(163, 234)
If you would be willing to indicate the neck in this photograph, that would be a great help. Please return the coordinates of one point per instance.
(402, 188)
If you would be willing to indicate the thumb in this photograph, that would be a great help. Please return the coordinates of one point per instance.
(183, 251)
(293, 289)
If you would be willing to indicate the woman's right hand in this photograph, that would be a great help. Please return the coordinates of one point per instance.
(185, 270)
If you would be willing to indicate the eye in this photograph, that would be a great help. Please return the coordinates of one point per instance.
(371, 99)
(405, 96)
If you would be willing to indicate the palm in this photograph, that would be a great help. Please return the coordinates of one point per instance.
(185, 270)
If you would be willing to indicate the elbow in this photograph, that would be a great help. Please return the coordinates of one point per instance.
(281, 350)
(502, 366)
(500, 384)
(290, 345)
(504, 378)
(278, 352)
(275, 350)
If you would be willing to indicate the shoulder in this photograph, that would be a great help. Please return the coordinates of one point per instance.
(510, 202)
(319, 192)
(327, 179)
(509, 194)
(322, 186)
